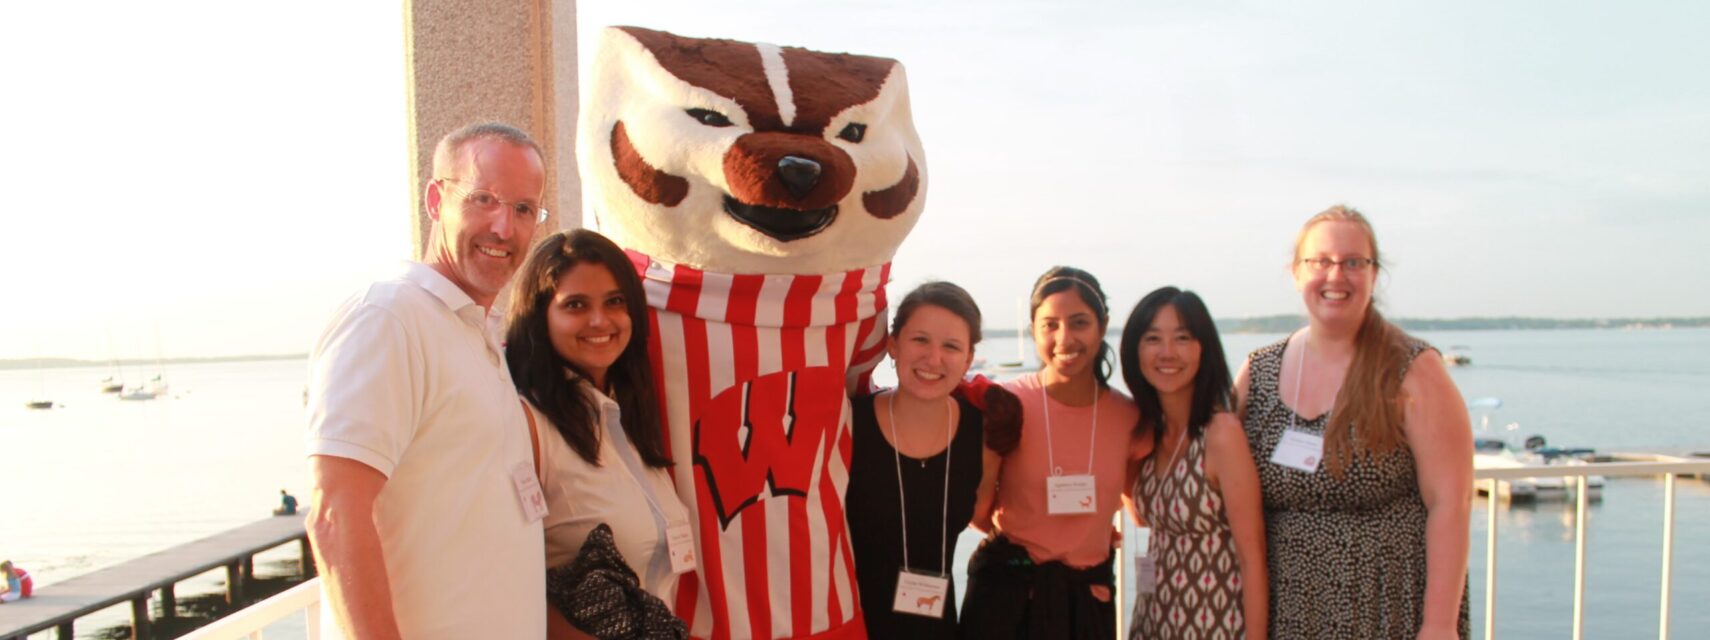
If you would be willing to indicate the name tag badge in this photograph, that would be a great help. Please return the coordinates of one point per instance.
(528, 491)
(1299, 450)
(1143, 538)
(1070, 495)
(680, 543)
(921, 594)
(1145, 573)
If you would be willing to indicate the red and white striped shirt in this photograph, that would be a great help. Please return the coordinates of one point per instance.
(753, 373)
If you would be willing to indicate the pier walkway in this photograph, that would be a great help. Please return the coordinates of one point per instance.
(58, 605)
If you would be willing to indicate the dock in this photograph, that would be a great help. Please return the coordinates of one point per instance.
(1689, 454)
(58, 605)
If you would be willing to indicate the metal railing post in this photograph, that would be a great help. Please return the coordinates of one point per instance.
(1668, 552)
(1120, 592)
(1579, 559)
(1490, 565)
(139, 617)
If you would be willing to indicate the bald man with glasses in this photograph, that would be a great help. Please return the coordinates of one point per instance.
(425, 513)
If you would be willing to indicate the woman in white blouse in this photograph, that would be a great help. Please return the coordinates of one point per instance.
(577, 351)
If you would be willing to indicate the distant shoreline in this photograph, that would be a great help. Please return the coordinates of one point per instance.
(1288, 322)
(71, 363)
(1284, 323)
(1259, 324)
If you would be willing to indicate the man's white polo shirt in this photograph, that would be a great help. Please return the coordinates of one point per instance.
(409, 379)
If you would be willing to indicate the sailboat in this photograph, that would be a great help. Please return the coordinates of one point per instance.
(1023, 327)
(41, 384)
(156, 386)
(114, 382)
(139, 393)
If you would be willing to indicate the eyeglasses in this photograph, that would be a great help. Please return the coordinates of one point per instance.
(1350, 265)
(487, 203)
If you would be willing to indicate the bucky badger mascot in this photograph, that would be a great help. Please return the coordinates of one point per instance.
(761, 192)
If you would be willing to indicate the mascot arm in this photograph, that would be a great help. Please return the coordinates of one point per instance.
(866, 358)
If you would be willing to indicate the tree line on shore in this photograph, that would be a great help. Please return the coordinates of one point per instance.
(1281, 323)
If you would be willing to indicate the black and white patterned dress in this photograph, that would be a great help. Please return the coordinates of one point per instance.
(1197, 592)
(1346, 555)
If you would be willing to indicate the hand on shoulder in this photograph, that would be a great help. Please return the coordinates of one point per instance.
(1002, 420)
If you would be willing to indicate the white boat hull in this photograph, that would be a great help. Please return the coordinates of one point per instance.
(1527, 489)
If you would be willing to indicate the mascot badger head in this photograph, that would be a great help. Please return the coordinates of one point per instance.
(748, 158)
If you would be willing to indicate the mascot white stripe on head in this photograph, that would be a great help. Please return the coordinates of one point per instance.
(761, 192)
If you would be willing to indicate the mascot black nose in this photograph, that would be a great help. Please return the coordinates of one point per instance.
(798, 174)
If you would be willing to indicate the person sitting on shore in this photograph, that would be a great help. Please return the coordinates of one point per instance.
(287, 504)
(18, 584)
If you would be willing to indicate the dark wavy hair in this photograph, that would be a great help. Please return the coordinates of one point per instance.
(1213, 389)
(1058, 279)
(539, 371)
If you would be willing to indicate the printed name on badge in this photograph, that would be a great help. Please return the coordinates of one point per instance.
(528, 492)
(1299, 450)
(1146, 574)
(1070, 495)
(680, 543)
(921, 594)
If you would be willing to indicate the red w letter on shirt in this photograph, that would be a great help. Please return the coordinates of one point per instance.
(766, 432)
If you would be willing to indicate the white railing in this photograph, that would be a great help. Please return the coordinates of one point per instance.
(1578, 472)
(305, 598)
(247, 624)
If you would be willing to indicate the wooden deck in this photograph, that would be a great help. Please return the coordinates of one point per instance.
(58, 605)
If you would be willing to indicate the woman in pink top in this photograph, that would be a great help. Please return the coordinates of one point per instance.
(1046, 570)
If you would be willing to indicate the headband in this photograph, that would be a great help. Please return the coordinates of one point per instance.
(1102, 310)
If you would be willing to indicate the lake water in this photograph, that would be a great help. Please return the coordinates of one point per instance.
(100, 481)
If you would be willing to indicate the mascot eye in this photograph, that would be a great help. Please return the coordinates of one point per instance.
(853, 132)
(709, 118)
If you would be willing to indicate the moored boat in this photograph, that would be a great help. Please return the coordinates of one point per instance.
(139, 393)
(1491, 452)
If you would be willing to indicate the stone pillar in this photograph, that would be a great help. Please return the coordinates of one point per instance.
(512, 61)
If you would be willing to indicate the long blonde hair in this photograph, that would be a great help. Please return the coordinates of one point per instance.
(1366, 418)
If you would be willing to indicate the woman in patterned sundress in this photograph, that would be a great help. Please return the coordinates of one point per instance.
(1198, 490)
(1365, 457)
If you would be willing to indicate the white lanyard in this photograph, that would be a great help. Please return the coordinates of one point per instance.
(678, 535)
(1296, 449)
(1050, 455)
(1299, 370)
(1146, 505)
(902, 499)
(1175, 454)
(625, 449)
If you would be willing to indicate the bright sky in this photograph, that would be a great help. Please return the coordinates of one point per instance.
(220, 174)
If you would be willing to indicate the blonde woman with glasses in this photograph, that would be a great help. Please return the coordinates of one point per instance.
(1364, 454)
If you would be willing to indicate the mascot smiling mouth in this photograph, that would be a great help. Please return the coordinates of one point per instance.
(781, 224)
